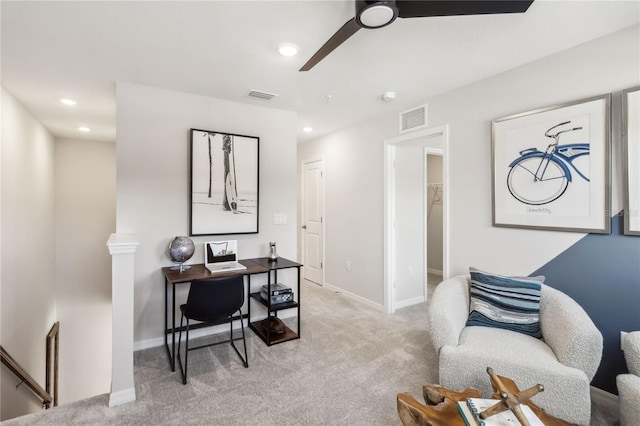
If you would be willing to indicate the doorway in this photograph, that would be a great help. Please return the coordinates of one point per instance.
(411, 203)
(435, 218)
(312, 227)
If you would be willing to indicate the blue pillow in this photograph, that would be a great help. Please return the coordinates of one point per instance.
(511, 303)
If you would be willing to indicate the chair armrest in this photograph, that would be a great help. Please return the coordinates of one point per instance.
(628, 396)
(569, 331)
(448, 311)
(631, 348)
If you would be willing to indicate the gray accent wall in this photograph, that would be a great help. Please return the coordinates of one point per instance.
(602, 273)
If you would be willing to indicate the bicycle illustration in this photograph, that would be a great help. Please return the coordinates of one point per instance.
(538, 177)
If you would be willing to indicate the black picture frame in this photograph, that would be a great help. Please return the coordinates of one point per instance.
(224, 184)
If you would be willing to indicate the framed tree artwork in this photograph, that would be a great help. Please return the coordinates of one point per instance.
(223, 183)
(631, 132)
(551, 168)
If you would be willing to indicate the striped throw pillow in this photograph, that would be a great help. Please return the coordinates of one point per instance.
(512, 303)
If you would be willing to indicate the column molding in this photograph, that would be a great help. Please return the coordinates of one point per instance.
(122, 248)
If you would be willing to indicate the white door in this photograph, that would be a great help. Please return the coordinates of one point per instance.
(313, 221)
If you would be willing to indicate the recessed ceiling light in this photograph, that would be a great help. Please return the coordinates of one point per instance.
(68, 102)
(307, 129)
(388, 96)
(288, 49)
(84, 129)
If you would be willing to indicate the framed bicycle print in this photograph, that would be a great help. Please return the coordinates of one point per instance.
(223, 183)
(551, 167)
(631, 132)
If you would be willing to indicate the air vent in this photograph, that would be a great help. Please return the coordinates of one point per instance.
(265, 96)
(413, 119)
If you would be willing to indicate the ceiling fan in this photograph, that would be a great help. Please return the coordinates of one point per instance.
(379, 13)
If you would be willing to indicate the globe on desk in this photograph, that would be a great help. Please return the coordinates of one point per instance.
(180, 250)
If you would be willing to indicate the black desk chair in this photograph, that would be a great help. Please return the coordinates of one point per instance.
(210, 300)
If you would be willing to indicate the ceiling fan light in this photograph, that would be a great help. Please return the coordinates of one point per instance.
(288, 49)
(377, 15)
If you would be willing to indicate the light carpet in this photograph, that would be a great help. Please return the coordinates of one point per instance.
(346, 369)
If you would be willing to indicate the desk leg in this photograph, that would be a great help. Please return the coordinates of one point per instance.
(248, 299)
(299, 301)
(275, 281)
(173, 329)
(166, 323)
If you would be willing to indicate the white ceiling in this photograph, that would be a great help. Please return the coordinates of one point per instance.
(222, 49)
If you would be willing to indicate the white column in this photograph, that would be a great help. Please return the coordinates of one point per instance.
(122, 248)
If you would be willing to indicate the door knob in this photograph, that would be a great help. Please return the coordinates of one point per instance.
(304, 226)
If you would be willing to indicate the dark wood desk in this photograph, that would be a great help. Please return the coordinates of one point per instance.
(198, 271)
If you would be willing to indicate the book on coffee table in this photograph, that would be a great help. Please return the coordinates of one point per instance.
(471, 408)
(466, 414)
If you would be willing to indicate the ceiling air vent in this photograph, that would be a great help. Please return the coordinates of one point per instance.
(413, 119)
(265, 96)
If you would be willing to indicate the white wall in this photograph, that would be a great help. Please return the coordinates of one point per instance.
(354, 218)
(409, 222)
(152, 183)
(602, 66)
(605, 65)
(28, 250)
(85, 187)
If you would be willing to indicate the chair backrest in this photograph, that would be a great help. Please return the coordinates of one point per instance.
(214, 298)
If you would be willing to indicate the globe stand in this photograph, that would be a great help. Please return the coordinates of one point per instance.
(181, 267)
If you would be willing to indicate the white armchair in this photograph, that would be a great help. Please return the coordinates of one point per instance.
(564, 361)
(629, 384)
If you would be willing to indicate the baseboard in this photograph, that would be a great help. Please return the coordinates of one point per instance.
(605, 399)
(408, 302)
(434, 271)
(122, 397)
(354, 297)
(203, 332)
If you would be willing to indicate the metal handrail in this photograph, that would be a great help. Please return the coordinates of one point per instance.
(26, 378)
(52, 344)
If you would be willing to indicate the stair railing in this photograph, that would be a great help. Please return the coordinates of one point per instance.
(51, 362)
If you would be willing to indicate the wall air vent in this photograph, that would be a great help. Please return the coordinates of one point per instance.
(265, 96)
(413, 119)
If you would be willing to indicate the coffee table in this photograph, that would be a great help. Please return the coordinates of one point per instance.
(442, 409)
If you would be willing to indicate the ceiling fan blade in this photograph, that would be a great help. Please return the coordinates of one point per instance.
(424, 8)
(346, 31)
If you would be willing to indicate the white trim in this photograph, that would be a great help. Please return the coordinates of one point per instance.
(353, 296)
(122, 243)
(389, 224)
(122, 397)
(409, 302)
(389, 198)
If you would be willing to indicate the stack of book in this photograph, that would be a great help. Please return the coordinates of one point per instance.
(279, 294)
(471, 408)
